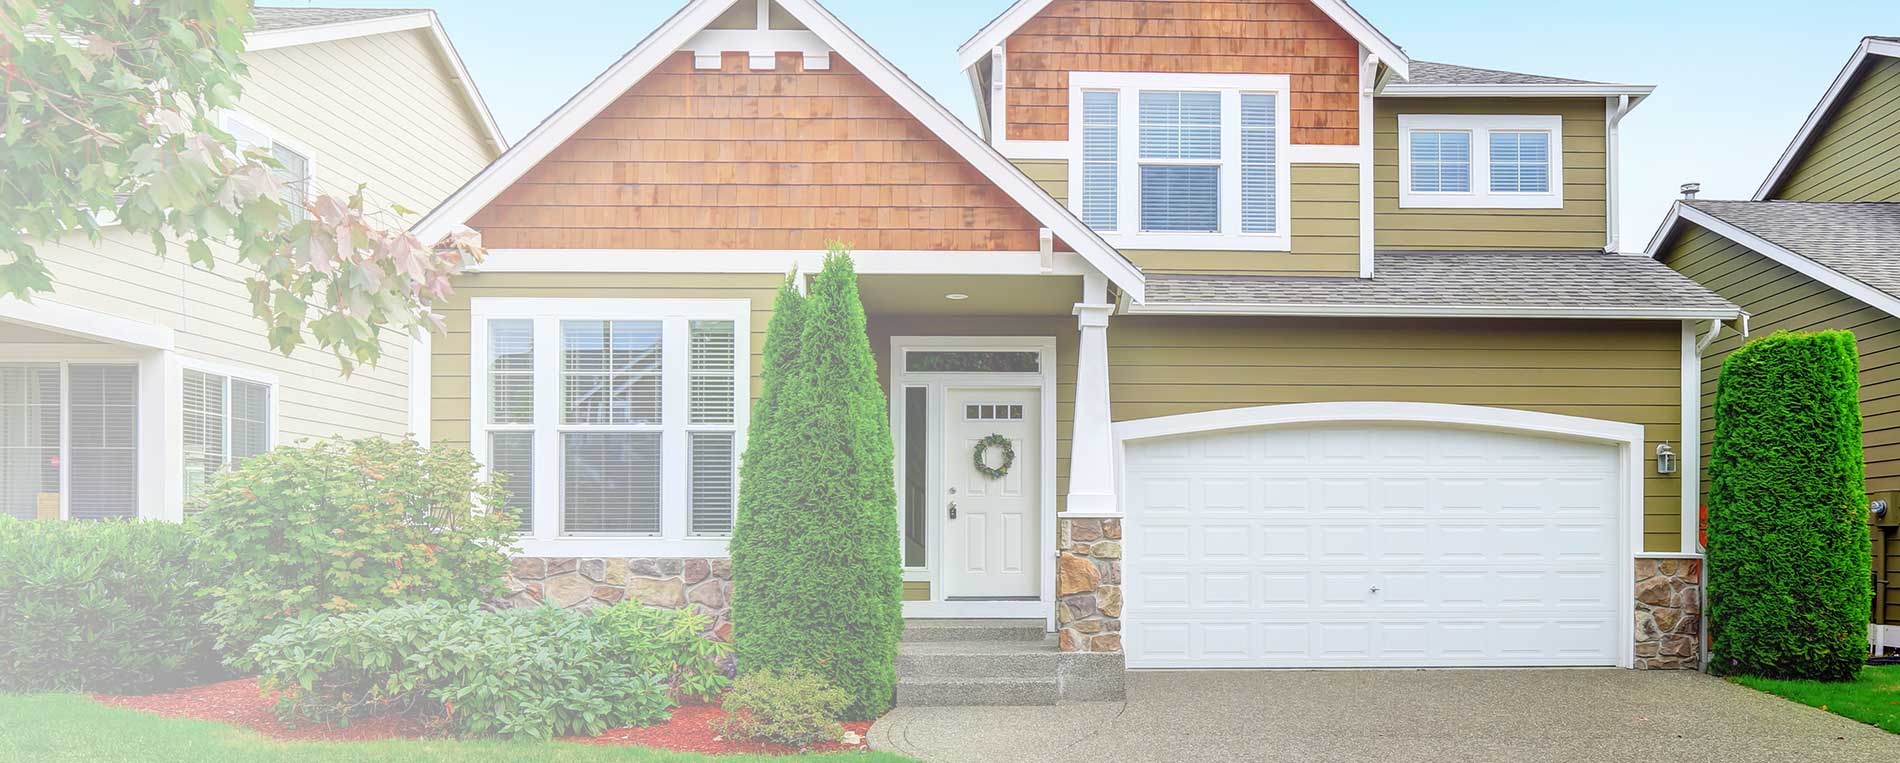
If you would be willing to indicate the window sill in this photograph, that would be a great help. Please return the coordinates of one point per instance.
(1202, 242)
(1410, 200)
(624, 547)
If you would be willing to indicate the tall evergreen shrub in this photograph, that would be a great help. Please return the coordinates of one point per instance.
(1788, 551)
(817, 577)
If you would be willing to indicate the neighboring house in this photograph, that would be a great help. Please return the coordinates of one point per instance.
(138, 376)
(1310, 354)
(1818, 247)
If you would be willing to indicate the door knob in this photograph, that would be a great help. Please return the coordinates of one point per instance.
(953, 509)
(1375, 589)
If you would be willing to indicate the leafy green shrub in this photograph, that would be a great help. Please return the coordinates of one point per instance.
(792, 709)
(341, 526)
(817, 582)
(102, 606)
(522, 673)
(1788, 550)
(670, 643)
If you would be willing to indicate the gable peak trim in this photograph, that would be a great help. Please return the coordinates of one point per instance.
(1824, 111)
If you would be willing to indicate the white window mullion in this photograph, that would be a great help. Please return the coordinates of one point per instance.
(1231, 159)
(548, 453)
(675, 407)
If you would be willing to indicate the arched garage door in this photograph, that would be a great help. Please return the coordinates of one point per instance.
(1373, 545)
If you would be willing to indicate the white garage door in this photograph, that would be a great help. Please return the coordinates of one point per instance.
(1372, 545)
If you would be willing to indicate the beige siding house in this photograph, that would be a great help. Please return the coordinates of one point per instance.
(152, 373)
(1312, 355)
(1814, 250)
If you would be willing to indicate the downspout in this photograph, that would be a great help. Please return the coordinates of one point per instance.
(1701, 349)
(1614, 111)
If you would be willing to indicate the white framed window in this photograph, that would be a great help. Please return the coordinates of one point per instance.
(1181, 161)
(1480, 161)
(229, 416)
(69, 434)
(297, 173)
(618, 422)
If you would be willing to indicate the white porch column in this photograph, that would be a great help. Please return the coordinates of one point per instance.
(1091, 453)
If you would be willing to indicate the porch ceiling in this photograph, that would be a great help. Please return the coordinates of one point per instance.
(988, 295)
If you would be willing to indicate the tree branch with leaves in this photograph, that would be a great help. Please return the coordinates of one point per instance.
(108, 118)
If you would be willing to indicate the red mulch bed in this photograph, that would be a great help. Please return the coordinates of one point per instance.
(240, 703)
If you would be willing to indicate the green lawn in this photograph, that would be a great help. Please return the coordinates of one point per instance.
(1872, 698)
(67, 727)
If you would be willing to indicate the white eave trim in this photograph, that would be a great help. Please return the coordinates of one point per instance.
(47, 315)
(284, 38)
(1581, 90)
(1823, 110)
(675, 32)
(867, 262)
(1430, 311)
(1681, 213)
(1004, 25)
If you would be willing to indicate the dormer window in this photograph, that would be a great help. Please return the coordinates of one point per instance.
(1181, 161)
(1480, 161)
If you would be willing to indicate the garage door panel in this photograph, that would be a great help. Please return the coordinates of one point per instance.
(1378, 546)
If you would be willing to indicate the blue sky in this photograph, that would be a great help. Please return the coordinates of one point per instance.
(1735, 77)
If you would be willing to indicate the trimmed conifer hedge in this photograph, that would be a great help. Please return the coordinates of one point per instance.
(817, 580)
(1788, 551)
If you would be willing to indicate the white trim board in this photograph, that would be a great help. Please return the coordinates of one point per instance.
(1824, 110)
(1006, 24)
(781, 261)
(47, 315)
(1426, 311)
(308, 35)
(1681, 213)
(1629, 439)
(1403, 90)
(689, 21)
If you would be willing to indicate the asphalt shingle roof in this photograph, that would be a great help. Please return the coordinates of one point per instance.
(1506, 282)
(1434, 73)
(1858, 239)
(270, 19)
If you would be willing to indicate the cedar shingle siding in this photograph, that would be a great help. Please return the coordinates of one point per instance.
(742, 159)
(1252, 37)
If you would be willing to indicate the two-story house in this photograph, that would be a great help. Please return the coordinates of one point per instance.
(138, 376)
(1815, 249)
(1311, 354)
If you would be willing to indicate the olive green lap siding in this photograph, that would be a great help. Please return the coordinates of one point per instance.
(1618, 371)
(449, 384)
(1856, 156)
(882, 327)
(916, 590)
(1580, 224)
(1780, 299)
(1325, 225)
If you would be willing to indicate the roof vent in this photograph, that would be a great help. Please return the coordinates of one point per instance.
(1689, 190)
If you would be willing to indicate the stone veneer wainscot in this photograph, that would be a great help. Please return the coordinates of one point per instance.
(1668, 614)
(705, 585)
(1089, 584)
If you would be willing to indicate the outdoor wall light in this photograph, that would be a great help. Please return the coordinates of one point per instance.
(1665, 459)
(956, 297)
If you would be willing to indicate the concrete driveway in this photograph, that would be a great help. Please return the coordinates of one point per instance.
(1437, 715)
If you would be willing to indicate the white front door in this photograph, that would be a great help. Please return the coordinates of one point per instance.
(1373, 546)
(992, 525)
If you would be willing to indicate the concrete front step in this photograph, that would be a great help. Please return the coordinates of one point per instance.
(977, 659)
(921, 630)
(928, 692)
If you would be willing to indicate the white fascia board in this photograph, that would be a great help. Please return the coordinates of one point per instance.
(1822, 110)
(1584, 90)
(662, 43)
(51, 316)
(866, 262)
(1431, 311)
(284, 38)
(1833, 279)
(1009, 21)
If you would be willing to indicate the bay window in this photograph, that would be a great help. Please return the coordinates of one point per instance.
(1480, 161)
(1181, 161)
(616, 423)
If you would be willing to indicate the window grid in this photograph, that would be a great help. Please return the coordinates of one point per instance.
(1441, 161)
(1520, 161)
(1180, 152)
(612, 425)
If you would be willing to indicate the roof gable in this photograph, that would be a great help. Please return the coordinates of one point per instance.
(1843, 245)
(1871, 48)
(677, 32)
(1342, 13)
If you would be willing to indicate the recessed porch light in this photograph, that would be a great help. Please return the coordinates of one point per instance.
(956, 297)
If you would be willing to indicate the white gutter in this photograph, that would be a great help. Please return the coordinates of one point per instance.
(1427, 311)
(1401, 89)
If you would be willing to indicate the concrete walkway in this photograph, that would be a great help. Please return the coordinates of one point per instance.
(1517, 716)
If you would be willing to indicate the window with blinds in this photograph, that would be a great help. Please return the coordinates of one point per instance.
(1101, 157)
(295, 167)
(1520, 162)
(1441, 161)
(1180, 151)
(30, 410)
(627, 420)
(226, 420)
(1259, 164)
(102, 454)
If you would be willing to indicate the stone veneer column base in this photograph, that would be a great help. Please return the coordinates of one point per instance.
(1089, 584)
(705, 585)
(1668, 614)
